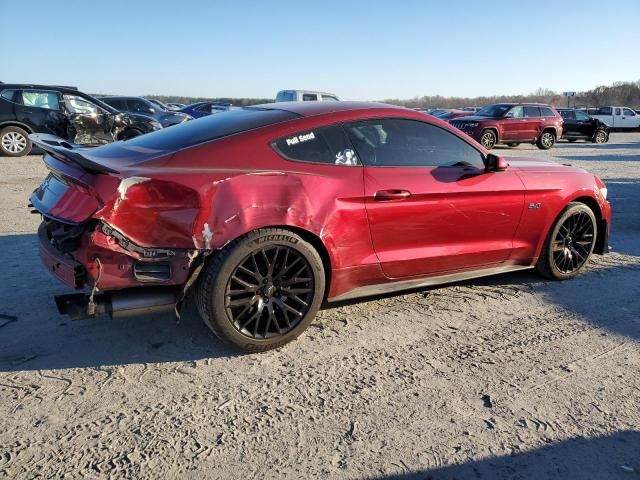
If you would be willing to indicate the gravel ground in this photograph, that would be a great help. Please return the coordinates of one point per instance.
(507, 377)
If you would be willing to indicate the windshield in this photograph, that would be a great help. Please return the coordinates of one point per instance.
(497, 110)
(157, 103)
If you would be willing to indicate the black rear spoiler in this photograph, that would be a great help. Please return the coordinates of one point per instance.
(68, 152)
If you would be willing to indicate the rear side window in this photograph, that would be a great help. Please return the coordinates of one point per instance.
(547, 112)
(8, 95)
(309, 97)
(605, 111)
(532, 111)
(40, 99)
(319, 145)
(209, 128)
(618, 111)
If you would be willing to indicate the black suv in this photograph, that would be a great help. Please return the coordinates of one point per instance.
(139, 105)
(64, 112)
(580, 126)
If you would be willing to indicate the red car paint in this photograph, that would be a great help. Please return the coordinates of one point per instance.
(178, 204)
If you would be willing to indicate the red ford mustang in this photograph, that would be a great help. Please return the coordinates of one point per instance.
(260, 214)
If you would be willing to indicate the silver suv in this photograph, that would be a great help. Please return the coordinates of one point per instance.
(305, 96)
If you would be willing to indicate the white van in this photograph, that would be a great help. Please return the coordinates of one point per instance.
(305, 96)
(617, 117)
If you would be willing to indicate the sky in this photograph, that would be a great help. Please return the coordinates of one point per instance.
(359, 49)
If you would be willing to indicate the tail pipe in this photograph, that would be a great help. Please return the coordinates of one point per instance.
(125, 303)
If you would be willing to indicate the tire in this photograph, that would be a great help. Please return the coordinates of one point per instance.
(257, 307)
(488, 139)
(600, 137)
(14, 142)
(547, 140)
(513, 145)
(562, 259)
(129, 133)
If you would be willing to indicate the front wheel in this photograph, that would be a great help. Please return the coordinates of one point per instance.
(600, 137)
(262, 290)
(569, 243)
(546, 140)
(488, 139)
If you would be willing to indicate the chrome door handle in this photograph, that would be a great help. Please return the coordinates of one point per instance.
(389, 195)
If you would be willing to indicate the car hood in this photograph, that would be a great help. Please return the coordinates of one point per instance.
(475, 118)
(531, 164)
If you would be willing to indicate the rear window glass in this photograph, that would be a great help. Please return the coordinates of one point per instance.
(547, 112)
(209, 128)
(285, 97)
(320, 145)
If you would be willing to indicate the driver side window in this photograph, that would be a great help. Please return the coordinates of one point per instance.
(395, 142)
(76, 104)
(516, 112)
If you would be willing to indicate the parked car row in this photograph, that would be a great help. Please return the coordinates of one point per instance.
(65, 112)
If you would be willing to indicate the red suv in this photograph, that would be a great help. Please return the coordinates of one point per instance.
(513, 124)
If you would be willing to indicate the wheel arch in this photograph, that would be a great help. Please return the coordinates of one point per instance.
(495, 130)
(13, 123)
(601, 238)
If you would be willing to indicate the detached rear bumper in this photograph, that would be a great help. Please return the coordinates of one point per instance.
(64, 268)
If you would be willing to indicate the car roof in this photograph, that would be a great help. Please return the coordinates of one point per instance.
(310, 109)
(62, 88)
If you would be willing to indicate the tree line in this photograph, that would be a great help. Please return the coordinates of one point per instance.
(619, 93)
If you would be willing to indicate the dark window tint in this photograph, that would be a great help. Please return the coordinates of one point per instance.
(8, 95)
(116, 103)
(618, 112)
(309, 97)
(547, 112)
(319, 145)
(410, 143)
(137, 105)
(532, 112)
(286, 96)
(203, 108)
(568, 114)
(605, 111)
(212, 127)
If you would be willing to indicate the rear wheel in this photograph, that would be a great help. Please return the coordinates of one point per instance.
(262, 290)
(14, 142)
(600, 137)
(569, 243)
(546, 140)
(488, 139)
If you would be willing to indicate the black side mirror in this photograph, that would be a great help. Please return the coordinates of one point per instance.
(495, 163)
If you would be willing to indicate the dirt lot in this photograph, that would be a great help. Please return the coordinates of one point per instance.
(508, 377)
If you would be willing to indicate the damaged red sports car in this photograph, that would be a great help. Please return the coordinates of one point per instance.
(260, 214)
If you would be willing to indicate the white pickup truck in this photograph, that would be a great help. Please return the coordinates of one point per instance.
(616, 117)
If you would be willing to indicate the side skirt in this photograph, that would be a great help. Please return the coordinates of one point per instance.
(399, 285)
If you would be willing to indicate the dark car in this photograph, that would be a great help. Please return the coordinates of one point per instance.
(513, 124)
(450, 115)
(203, 109)
(260, 214)
(580, 126)
(64, 112)
(143, 106)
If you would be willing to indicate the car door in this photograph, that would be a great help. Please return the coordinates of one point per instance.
(570, 124)
(584, 124)
(41, 110)
(629, 118)
(533, 122)
(431, 206)
(513, 124)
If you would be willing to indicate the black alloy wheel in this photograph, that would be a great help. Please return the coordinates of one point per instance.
(569, 243)
(269, 292)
